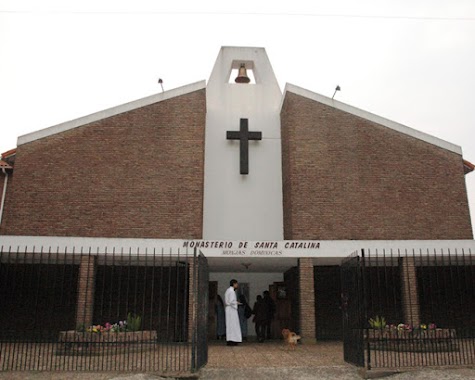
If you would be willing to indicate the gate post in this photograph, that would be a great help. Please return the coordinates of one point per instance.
(410, 295)
(192, 284)
(86, 287)
(307, 300)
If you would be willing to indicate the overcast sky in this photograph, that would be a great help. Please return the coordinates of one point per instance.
(409, 61)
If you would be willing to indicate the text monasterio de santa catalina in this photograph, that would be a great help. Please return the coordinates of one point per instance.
(252, 248)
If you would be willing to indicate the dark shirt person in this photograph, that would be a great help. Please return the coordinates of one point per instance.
(270, 306)
(260, 317)
(245, 312)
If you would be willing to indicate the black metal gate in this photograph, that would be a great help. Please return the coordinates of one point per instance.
(352, 301)
(103, 309)
(409, 307)
(201, 330)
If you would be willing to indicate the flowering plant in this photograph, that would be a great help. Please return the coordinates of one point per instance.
(133, 323)
(108, 327)
(379, 323)
(407, 327)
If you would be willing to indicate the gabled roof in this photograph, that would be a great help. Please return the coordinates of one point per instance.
(111, 112)
(371, 117)
(9, 153)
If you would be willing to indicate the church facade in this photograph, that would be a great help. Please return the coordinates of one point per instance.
(275, 189)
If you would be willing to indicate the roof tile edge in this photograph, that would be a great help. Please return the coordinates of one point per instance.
(183, 90)
(371, 117)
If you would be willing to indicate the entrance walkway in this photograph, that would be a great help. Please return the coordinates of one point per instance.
(324, 361)
(274, 361)
(274, 354)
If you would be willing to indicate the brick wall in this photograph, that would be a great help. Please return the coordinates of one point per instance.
(86, 290)
(137, 174)
(410, 293)
(348, 178)
(307, 300)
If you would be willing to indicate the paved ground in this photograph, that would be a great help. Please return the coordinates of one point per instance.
(331, 373)
(274, 361)
(275, 354)
(271, 361)
(296, 373)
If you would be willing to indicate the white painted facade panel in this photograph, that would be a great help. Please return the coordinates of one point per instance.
(240, 206)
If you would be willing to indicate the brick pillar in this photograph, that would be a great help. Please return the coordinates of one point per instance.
(410, 296)
(192, 297)
(307, 300)
(86, 286)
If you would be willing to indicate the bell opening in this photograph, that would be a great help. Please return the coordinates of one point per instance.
(240, 74)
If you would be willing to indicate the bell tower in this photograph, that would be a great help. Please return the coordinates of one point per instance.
(243, 163)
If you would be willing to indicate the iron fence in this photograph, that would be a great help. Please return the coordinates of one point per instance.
(353, 309)
(418, 308)
(201, 334)
(111, 310)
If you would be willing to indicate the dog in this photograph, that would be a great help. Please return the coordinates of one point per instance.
(290, 338)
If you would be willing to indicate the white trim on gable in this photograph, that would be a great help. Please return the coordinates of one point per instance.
(111, 112)
(371, 117)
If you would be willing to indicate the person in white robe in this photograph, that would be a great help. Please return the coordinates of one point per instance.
(233, 327)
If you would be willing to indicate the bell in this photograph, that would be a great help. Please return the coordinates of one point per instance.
(242, 75)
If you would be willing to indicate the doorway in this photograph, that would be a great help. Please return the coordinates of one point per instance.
(251, 285)
(283, 313)
(328, 312)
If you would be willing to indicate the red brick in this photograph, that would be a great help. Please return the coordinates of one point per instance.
(345, 177)
(307, 300)
(86, 288)
(409, 292)
(138, 174)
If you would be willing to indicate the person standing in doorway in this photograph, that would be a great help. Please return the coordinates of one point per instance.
(233, 327)
(244, 312)
(260, 318)
(270, 306)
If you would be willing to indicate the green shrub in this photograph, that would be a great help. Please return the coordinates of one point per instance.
(377, 322)
(133, 322)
